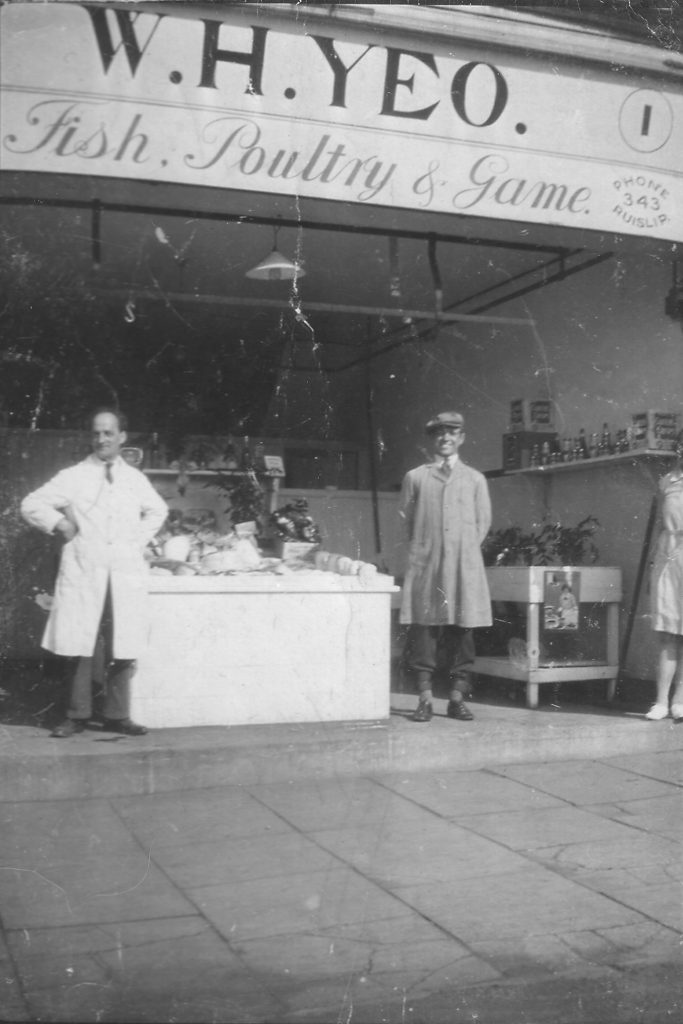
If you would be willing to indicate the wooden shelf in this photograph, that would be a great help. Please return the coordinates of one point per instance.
(210, 472)
(195, 472)
(634, 455)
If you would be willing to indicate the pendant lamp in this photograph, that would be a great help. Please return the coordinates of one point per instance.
(276, 267)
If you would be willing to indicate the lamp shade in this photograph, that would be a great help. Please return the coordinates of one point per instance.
(276, 267)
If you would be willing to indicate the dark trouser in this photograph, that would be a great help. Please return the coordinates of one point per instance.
(118, 673)
(458, 650)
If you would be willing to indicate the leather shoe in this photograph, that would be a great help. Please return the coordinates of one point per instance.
(69, 727)
(125, 726)
(458, 709)
(423, 712)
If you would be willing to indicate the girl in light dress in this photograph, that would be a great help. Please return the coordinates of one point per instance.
(667, 595)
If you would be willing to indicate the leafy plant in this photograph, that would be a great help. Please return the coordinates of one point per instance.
(294, 522)
(245, 494)
(553, 544)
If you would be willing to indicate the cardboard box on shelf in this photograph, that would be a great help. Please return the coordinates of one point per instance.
(518, 446)
(655, 430)
(526, 414)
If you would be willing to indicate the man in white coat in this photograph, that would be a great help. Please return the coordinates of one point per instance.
(447, 511)
(106, 511)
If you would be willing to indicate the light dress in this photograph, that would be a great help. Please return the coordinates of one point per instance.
(667, 571)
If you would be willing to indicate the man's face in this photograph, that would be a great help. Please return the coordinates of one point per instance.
(107, 437)
(447, 440)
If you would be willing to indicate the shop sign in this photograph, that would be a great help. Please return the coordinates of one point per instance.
(256, 102)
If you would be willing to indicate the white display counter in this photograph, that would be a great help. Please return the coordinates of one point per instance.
(253, 649)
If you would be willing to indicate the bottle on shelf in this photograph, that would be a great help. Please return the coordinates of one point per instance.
(230, 455)
(545, 454)
(535, 458)
(593, 448)
(247, 462)
(154, 451)
(605, 446)
(555, 452)
(583, 444)
(567, 452)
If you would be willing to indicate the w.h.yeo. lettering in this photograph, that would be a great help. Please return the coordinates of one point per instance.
(260, 102)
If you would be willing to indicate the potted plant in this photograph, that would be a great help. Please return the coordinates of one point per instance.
(296, 534)
(553, 544)
(246, 501)
(517, 562)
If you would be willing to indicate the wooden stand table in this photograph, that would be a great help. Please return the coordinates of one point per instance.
(530, 661)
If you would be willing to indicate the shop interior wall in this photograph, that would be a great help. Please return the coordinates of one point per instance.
(601, 348)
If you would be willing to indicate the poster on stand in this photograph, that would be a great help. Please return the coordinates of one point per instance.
(561, 599)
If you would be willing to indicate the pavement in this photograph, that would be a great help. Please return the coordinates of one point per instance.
(475, 879)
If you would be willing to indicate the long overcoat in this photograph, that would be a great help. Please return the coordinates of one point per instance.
(447, 517)
(114, 522)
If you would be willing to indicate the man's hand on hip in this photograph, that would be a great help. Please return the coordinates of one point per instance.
(66, 528)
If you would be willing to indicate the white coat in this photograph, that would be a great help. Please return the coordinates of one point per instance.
(114, 523)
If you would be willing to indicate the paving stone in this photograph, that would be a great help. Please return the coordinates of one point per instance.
(657, 900)
(665, 765)
(398, 856)
(641, 848)
(389, 932)
(12, 1003)
(236, 860)
(552, 826)
(371, 998)
(460, 793)
(628, 945)
(661, 815)
(339, 803)
(34, 834)
(340, 1000)
(137, 972)
(585, 782)
(111, 888)
(74, 940)
(315, 957)
(526, 957)
(522, 903)
(196, 816)
(303, 903)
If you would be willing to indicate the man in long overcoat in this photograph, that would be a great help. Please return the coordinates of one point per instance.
(447, 511)
(106, 511)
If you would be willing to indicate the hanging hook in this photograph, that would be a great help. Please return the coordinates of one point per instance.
(436, 275)
(95, 234)
(394, 271)
(129, 315)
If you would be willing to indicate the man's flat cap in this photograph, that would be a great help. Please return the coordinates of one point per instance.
(445, 419)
